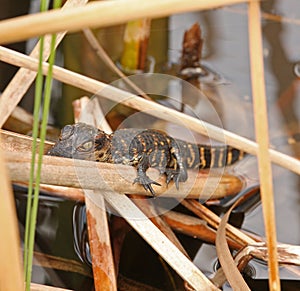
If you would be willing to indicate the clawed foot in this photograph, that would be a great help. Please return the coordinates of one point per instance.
(177, 176)
(146, 182)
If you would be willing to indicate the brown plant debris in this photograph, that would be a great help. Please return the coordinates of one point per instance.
(191, 47)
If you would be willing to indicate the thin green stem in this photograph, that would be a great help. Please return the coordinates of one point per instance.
(37, 105)
(32, 206)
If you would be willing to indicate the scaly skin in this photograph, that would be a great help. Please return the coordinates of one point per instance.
(142, 149)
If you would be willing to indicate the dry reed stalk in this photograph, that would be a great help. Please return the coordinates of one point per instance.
(90, 112)
(99, 238)
(262, 137)
(65, 192)
(158, 241)
(214, 220)
(11, 274)
(104, 176)
(194, 227)
(287, 254)
(75, 194)
(149, 210)
(99, 241)
(153, 108)
(21, 82)
(20, 120)
(59, 263)
(231, 271)
(16, 142)
(96, 14)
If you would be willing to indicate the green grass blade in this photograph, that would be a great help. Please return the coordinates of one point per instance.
(37, 105)
(32, 204)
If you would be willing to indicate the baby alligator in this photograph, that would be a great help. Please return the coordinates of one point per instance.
(142, 149)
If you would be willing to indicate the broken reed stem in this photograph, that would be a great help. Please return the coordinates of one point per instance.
(261, 129)
(97, 14)
(287, 254)
(153, 108)
(135, 42)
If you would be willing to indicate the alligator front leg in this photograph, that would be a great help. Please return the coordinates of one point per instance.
(142, 177)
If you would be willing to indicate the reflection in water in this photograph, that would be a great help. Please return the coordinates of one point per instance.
(282, 69)
(285, 98)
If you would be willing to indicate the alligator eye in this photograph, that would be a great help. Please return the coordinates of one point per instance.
(85, 147)
(66, 132)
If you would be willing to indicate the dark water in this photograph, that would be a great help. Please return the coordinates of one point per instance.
(54, 237)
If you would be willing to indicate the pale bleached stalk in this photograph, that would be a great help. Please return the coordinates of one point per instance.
(89, 111)
(23, 79)
(105, 277)
(262, 137)
(153, 108)
(11, 275)
(159, 242)
(97, 14)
